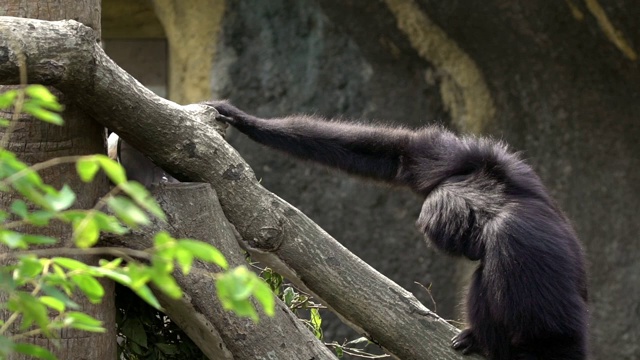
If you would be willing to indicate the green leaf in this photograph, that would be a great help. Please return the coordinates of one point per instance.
(184, 259)
(19, 207)
(162, 262)
(4, 122)
(204, 251)
(70, 264)
(89, 286)
(61, 200)
(274, 280)
(316, 323)
(263, 294)
(7, 282)
(81, 321)
(234, 289)
(39, 240)
(167, 284)
(138, 350)
(34, 350)
(244, 308)
(114, 171)
(72, 215)
(163, 240)
(113, 264)
(48, 105)
(238, 282)
(32, 193)
(51, 291)
(59, 271)
(11, 164)
(133, 330)
(167, 349)
(86, 232)
(107, 223)
(53, 303)
(32, 311)
(8, 98)
(27, 268)
(127, 211)
(6, 347)
(115, 275)
(144, 292)
(12, 239)
(139, 275)
(288, 296)
(40, 217)
(40, 92)
(87, 168)
(42, 114)
(143, 198)
(27, 175)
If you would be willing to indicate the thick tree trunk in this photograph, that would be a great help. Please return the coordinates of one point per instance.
(35, 141)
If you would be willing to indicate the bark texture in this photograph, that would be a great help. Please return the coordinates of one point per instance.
(194, 212)
(35, 141)
(184, 140)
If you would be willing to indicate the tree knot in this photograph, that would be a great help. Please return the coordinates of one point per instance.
(266, 231)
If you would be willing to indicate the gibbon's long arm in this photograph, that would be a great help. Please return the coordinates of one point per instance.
(420, 159)
(373, 152)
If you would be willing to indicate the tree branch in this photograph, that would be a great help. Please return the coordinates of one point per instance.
(194, 212)
(185, 140)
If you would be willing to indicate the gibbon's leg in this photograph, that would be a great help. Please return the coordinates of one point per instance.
(467, 340)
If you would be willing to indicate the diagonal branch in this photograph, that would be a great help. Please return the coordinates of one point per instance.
(185, 140)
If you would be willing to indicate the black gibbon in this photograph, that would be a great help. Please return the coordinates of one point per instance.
(528, 296)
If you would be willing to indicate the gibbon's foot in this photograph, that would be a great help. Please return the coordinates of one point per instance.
(465, 342)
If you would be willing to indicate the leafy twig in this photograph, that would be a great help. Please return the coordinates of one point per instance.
(125, 253)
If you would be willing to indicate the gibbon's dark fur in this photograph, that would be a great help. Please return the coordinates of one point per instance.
(528, 296)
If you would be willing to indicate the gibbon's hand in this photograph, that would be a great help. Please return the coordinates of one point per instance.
(227, 113)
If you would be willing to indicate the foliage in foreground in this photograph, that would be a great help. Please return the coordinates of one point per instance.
(146, 333)
(38, 286)
(303, 306)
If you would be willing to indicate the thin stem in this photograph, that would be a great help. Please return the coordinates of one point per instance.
(38, 285)
(356, 352)
(14, 224)
(102, 202)
(26, 334)
(40, 166)
(125, 253)
(9, 322)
